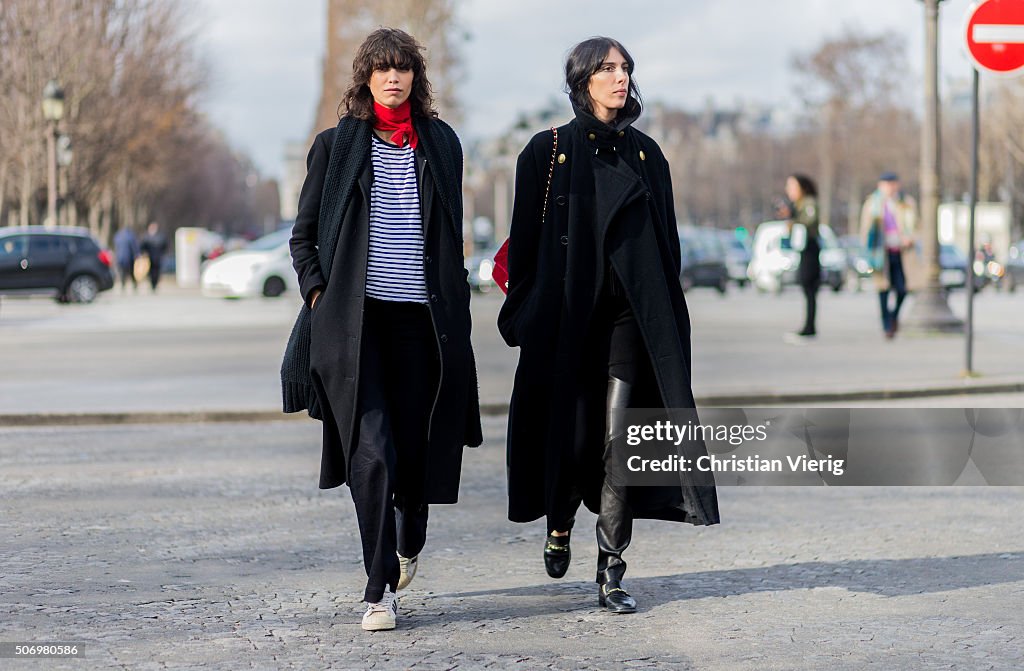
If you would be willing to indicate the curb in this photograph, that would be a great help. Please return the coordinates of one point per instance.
(794, 398)
(501, 408)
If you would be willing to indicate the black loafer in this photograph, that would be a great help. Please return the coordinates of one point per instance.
(616, 600)
(557, 555)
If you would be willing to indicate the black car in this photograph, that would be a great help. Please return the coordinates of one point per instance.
(703, 259)
(67, 263)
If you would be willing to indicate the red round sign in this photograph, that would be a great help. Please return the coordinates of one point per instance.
(995, 35)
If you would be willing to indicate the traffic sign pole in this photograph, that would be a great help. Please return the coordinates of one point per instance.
(975, 137)
(994, 37)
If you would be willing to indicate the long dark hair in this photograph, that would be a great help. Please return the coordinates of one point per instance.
(584, 60)
(807, 186)
(383, 49)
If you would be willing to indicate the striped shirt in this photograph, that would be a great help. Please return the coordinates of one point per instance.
(394, 270)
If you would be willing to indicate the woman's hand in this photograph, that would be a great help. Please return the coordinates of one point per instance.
(313, 298)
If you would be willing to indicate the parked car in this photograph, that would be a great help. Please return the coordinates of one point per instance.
(737, 256)
(703, 259)
(858, 265)
(775, 258)
(67, 263)
(480, 265)
(263, 268)
(1013, 272)
(952, 268)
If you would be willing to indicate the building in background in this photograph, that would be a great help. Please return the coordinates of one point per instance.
(293, 175)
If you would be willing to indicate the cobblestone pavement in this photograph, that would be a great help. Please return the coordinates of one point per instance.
(209, 546)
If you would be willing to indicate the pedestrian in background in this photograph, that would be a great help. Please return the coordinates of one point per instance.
(154, 246)
(802, 209)
(381, 350)
(596, 307)
(888, 222)
(126, 251)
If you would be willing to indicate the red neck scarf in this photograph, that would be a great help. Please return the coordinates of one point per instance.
(398, 120)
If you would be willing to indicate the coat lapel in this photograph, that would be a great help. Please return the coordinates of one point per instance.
(432, 144)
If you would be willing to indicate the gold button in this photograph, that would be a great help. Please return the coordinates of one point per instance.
(621, 133)
(592, 136)
(643, 157)
(561, 158)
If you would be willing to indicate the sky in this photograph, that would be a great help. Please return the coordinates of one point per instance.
(264, 55)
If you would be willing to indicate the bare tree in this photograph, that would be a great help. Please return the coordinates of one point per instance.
(131, 79)
(855, 91)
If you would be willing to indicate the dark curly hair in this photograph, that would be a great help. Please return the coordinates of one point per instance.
(584, 60)
(383, 49)
(807, 185)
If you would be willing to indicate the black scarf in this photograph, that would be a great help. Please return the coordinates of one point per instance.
(608, 137)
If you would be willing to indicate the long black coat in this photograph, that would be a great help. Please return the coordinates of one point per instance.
(626, 215)
(339, 162)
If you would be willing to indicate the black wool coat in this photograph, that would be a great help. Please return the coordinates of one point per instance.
(621, 214)
(329, 246)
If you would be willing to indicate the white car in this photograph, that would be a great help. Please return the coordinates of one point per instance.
(263, 268)
(773, 265)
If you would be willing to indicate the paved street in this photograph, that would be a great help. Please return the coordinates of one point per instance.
(209, 546)
(179, 351)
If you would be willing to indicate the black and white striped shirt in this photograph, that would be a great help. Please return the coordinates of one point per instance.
(394, 270)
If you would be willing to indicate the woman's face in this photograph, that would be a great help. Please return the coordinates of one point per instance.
(391, 87)
(793, 190)
(609, 86)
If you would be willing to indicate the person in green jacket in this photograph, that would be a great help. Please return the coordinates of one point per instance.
(802, 193)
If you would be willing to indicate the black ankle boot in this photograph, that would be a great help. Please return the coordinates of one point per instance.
(614, 599)
(557, 555)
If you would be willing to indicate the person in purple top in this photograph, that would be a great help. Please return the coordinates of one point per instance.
(888, 224)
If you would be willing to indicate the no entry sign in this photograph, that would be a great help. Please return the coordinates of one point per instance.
(995, 36)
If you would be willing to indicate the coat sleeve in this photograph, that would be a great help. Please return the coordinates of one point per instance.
(670, 221)
(303, 243)
(866, 220)
(524, 241)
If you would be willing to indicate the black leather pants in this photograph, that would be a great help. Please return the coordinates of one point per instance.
(615, 521)
(616, 366)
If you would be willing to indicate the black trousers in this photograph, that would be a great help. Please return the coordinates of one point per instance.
(809, 277)
(897, 285)
(127, 272)
(615, 367)
(810, 289)
(398, 375)
(154, 270)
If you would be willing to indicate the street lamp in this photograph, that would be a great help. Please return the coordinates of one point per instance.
(930, 311)
(53, 112)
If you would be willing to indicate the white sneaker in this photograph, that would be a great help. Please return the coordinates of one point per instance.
(381, 615)
(408, 567)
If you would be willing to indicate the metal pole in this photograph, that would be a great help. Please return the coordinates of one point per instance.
(930, 311)
(51, 175)
(975, 133)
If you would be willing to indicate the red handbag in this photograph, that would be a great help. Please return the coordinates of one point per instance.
(500, 271)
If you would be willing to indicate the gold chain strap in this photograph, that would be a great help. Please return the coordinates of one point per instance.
(551, 173)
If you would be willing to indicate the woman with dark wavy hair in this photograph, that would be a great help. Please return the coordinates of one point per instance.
(801, 207)
(381, 350)
(595, 305)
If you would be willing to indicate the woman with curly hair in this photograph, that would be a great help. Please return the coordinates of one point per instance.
(381, 349)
